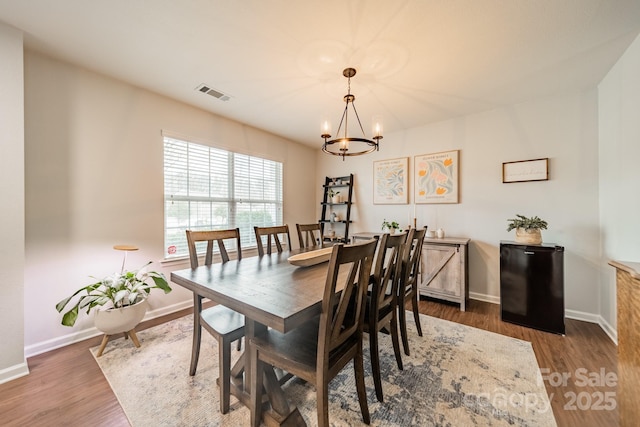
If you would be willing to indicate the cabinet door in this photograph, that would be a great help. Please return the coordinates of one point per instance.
(441, 269)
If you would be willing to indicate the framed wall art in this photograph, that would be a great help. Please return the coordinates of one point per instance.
(436, 177)
(526, 170)
(390, 181)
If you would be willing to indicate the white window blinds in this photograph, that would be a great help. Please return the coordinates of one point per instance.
(206, 188)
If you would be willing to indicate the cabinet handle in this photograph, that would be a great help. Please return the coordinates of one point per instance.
(529, 253)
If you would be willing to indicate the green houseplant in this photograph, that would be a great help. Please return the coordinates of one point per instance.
(334, 195)
(120, 290)
(392, 226)
(527, 229)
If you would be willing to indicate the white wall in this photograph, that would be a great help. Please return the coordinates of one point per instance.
(94, 178)
(12, 252)
(619, 104)
(562, 128)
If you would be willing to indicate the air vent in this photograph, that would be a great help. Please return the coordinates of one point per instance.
(213, 92)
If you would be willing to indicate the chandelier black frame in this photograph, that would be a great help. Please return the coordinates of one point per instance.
(339, 146)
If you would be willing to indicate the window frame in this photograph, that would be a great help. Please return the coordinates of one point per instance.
(257, 210)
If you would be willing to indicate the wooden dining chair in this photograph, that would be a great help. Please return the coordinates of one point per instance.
(309, 235)
(319, 349)
(408, 287)
(381, 304)
(272, 234)
(224, 324)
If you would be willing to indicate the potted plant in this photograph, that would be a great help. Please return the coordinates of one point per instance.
(334, 196)
(527, 229)
(120, 298)
(391, 226)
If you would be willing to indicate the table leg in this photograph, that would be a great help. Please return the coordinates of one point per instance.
(281, 413)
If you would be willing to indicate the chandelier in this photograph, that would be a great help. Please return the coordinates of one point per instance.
(344, 145)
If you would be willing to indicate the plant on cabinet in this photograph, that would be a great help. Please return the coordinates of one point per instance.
(527, 229)
(392, 226)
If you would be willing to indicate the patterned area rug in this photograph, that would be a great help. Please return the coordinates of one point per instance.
(456, 376)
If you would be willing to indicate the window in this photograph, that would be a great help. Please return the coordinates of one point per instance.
(206, 188)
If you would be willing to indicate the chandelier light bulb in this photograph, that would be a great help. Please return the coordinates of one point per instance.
(326, 129)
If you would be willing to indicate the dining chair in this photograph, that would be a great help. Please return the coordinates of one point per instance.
(309, 235)
(319, 349)
(381, 304)
(408, 287)
(224, 324)
(272, 234)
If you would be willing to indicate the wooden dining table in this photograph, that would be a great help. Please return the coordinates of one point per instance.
(271, 293)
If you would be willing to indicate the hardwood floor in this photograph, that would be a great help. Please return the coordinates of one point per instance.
(66, 387)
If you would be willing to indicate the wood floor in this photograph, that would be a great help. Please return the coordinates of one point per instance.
(66, 387)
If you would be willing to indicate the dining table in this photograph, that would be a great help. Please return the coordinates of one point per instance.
(270, 292)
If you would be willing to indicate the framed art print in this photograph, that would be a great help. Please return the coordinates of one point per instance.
(390, 181)
(436, 177)
(526, 170)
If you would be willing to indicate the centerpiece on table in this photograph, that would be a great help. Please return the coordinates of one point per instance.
(391, 226)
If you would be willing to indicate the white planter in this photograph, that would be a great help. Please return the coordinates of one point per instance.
(336, 199)
(528, 236)
(117, 320)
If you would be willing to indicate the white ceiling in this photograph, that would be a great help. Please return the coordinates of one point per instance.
(281, 61)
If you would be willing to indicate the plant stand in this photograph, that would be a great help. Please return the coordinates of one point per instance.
(124, 320)
(105, 340)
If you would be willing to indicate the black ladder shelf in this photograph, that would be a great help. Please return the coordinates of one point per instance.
(342, 208)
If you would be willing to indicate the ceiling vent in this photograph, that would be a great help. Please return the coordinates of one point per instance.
(213, 92)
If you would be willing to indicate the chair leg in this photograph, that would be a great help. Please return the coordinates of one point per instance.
(375, 364)
(395, 340)
(402, 319)
(358, 366)
(322, 402)
(197, 333)
(224, 379)
(416, 314)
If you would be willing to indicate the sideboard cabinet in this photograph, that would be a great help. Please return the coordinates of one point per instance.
(444, 270)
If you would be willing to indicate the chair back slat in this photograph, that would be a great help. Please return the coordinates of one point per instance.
(386, 270)
(272, 234)
(411, 259)
(344, 295)
(211, 236)
(309, 235)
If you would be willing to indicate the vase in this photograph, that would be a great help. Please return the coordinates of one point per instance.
(117, 320)
(336, 199)
(529, 236)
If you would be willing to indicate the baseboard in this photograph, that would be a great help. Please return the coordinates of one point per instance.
(13, 372)
(484, 298)
(52, 344)
(581, 315)
(569, 314)
(609, 330)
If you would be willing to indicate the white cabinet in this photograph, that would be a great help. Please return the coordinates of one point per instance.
(444, 270)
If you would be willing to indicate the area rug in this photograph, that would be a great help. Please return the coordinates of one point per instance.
(456, 376)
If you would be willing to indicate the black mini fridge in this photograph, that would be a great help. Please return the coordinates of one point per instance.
(532, 285)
